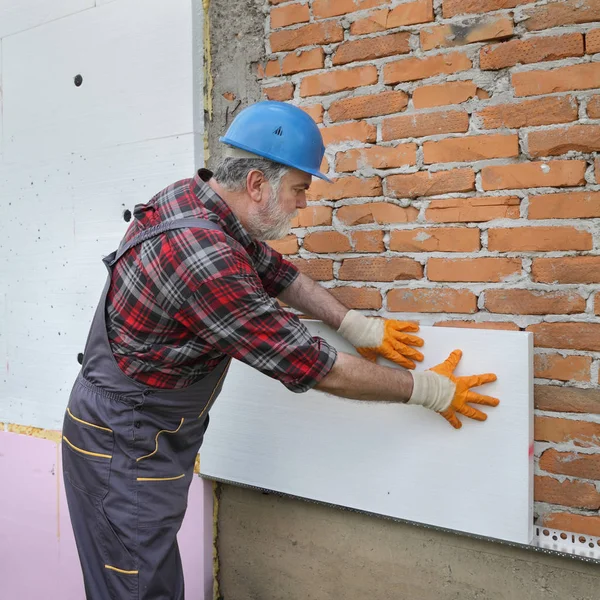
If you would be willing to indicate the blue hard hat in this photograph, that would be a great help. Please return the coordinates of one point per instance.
(280, 132)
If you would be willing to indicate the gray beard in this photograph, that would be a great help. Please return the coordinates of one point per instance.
(279, 224)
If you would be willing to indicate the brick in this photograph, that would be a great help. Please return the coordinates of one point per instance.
(380, 269)
(424, 183)
(323, 9)
(562, 368)
(314, 34)
(372, 48)
(315, 111)
(417, 125)
(337, 81)
(471, 148)
(287, 245)
(376, 157)
(314, 216)
(280, 92)
(592, 41)
(532, 50)
(567, 336)
(442, 36)
(327, 242)
(345, 187)
(569, 269)
(318, 269)
(485, 269)
(529, 113)
(572, 522)
(298, 62)
(553, 142)
(359, 131)
(492, 325)
(291, 14)
(533, 302)
(374, 22)
(412, 69)
(568, 205)
(561, 431)
(567, 399)
(372, 105)
(556, 173)
(473, 210)
(435, 239)
(593, 107)
(538, 239)
(367, 241)
(411, 13)
(441, 94)
(382, 213)
(576, 494)
(563, 79)
(574, 464)
(461, 7)
(559, 13)
(432, 300)
(358, 298)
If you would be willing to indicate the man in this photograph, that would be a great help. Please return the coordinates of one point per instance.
(192, 286)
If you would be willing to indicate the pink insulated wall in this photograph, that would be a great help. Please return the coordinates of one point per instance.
(38, 558)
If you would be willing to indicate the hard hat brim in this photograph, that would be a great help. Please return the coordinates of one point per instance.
(276, 159)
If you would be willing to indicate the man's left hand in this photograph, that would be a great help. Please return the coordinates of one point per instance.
(374, 336)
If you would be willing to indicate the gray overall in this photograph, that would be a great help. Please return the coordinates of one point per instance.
(128, 460)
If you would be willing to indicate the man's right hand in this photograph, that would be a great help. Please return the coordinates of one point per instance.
(450, 395)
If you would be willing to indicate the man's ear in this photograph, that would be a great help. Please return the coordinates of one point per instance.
(255, 183)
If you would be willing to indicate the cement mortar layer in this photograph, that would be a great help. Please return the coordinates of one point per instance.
(279, 548)
(237, 47)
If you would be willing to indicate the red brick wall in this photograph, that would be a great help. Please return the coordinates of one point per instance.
(463, 136)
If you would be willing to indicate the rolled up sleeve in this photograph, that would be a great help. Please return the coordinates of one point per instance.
(237, 316)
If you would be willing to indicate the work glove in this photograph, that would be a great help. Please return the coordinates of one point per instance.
(374, 336)
(439, 390)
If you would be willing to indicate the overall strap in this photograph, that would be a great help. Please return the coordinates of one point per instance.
(161, 228)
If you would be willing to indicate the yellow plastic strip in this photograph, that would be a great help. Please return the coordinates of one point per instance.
(110, 568)
(161, 478)
(156, 440)
(215, 389)
(87, 422)
(85, 451)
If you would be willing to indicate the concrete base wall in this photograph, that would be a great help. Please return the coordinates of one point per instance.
(273, 548)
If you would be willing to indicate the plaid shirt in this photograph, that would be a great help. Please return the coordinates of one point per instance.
(181, 301)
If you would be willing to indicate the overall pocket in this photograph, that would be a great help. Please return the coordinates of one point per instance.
(166, 467)
(87, 454)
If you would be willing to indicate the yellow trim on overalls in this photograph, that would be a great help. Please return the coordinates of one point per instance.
(161, 478)
(110, 568)
(85, 451)
(87, 422)
(215, 388)
(156, 440)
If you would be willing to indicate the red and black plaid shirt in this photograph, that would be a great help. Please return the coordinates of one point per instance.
(182, 300)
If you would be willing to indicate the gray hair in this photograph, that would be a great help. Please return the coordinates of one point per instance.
(232, 173)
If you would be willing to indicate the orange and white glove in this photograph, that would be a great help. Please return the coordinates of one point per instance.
(439, 390)
(374, 336)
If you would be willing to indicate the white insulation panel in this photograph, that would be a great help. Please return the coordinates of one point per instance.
(389, 459)
(73, 160)
(19, 15)
(137, 79)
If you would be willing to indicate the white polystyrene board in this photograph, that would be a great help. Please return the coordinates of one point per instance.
(137, 69)
(59, 219)
(390, 459)
(19, 15)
